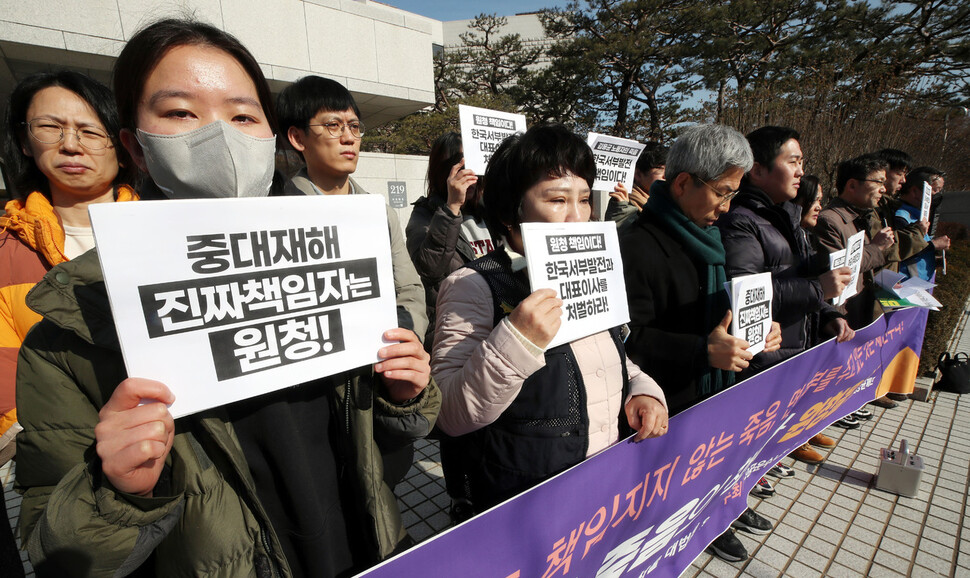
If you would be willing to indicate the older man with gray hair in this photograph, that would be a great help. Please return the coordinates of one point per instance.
(674, 266)
(673, 261)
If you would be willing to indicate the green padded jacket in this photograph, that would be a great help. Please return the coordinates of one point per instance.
(205, 519)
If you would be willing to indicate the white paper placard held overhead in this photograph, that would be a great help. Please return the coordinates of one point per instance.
(616, 160)
(751, 309)
(581, 263)
(924, 208)
(482, 130)
(242, 297)
(850, 257)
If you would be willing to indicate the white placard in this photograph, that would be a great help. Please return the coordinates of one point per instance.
(850, 257)
(616, 160)
(751, 309)
(482, 130)
(581, 263)
(924, 208)
(223, 299)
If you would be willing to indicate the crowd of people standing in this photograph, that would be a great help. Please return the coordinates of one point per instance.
(300, 481)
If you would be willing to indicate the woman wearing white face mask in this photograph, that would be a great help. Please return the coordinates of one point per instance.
(289, 483)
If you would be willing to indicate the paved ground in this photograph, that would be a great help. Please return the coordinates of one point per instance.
(830, 520)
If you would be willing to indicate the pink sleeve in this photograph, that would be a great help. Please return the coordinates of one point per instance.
(479, 368)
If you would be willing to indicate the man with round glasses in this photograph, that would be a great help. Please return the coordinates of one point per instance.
(673, 264)
(322, 123)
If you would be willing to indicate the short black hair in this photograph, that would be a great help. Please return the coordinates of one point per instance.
(22, 170)
(896, 158)
(858, 168)
(766, 143)
(299, 102)
(522, 160)
(807, 190)
(654, 156)
(932, 171)
(148, 46)
(915, 180)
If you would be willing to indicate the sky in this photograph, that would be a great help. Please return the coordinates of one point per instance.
(467, 9)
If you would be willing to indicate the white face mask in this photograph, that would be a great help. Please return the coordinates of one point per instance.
(213, 161)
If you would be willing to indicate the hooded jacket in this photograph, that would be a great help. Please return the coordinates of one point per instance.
(205, 517)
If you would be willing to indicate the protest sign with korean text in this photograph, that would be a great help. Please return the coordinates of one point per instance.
(581, 263)
(246, 296)
(924, 208)
(751, 306)
(482, 130)
(850, 257)
(616, 160)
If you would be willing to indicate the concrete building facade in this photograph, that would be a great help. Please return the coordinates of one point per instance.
(383, 55)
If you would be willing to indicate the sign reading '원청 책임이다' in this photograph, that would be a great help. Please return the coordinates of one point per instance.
(482, 131)
(240, 297)
(581, 263)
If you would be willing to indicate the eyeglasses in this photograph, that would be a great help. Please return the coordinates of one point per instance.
(47, 131)
(877, 181)
(725, 197)
(336, 128)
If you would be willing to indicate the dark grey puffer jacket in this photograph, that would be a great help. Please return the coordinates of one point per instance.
(209, 522)
(437, 249)
(762, 237)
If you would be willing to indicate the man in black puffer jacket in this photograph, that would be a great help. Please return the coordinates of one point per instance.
(759, 235)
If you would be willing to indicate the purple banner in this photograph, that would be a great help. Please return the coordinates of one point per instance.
(650, 508)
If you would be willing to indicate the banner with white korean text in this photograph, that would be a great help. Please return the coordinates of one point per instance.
(616, 160)
(482, 130)
(581, 263)
(649, 508)
(225, 299)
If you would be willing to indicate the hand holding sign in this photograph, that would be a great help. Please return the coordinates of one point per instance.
(538, 317)
(725, 351)
(884, 238)
(133, 440)
(460, 180)
(405, 367)
(834, 282)
(773, 341)
(620, 194)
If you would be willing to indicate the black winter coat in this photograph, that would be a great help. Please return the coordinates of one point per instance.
(437, 249)
(760, 236)
(668, 333)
